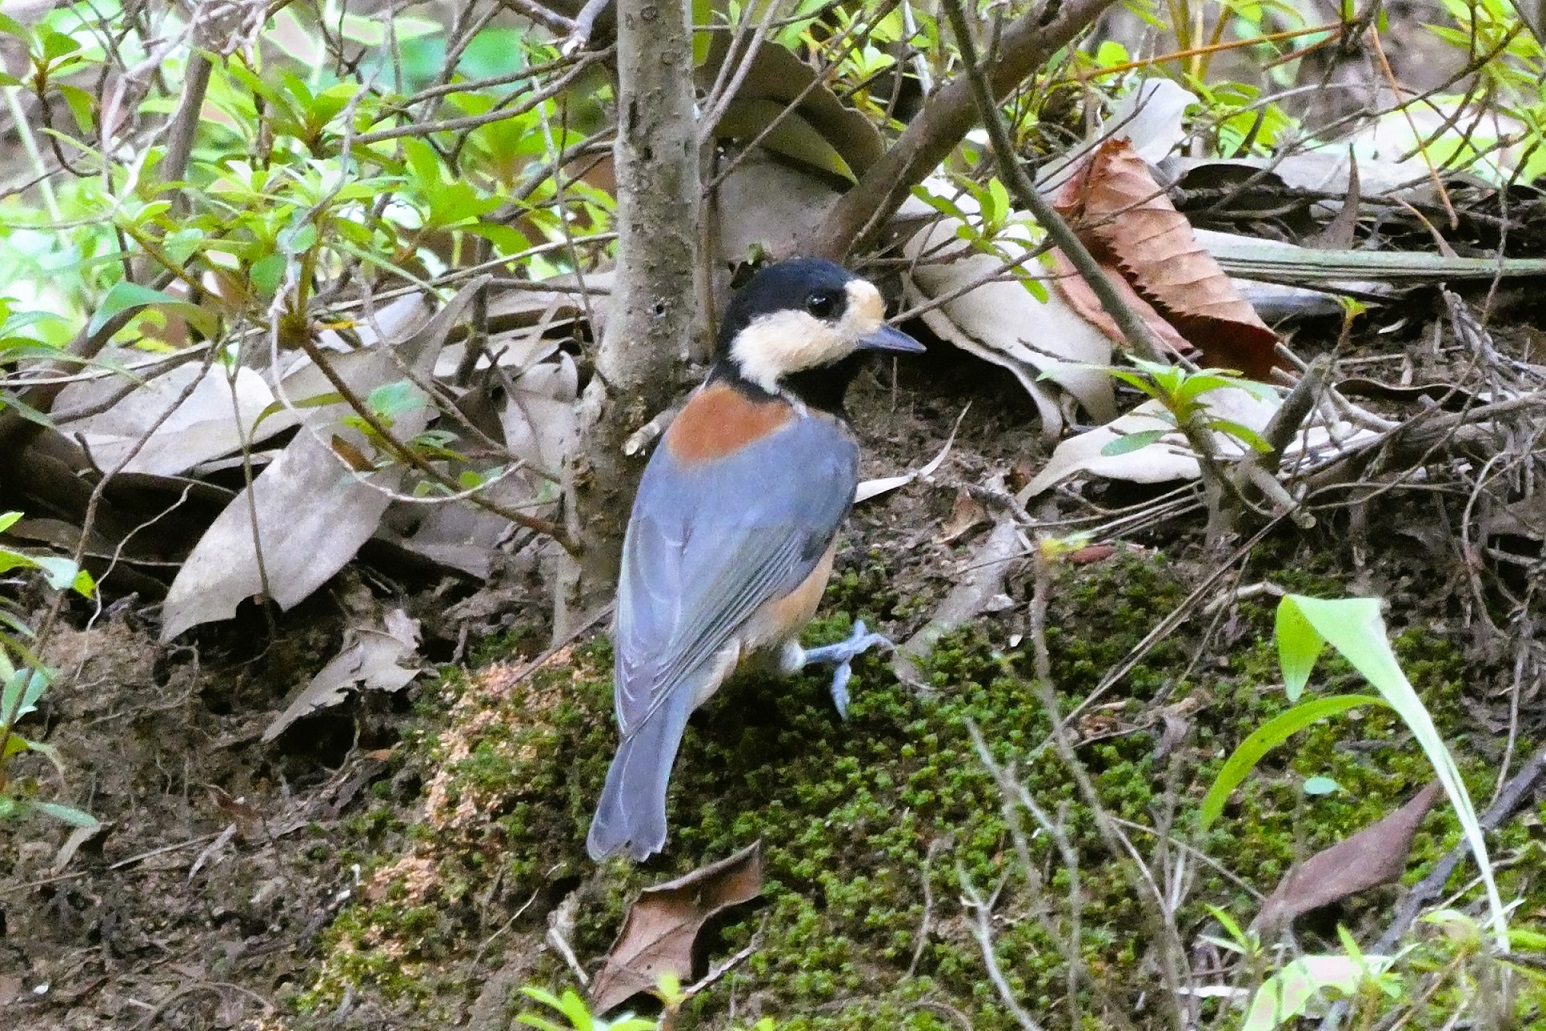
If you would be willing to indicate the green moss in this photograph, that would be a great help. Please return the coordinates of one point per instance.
(854, 817)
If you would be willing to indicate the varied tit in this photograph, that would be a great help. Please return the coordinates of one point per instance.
(731, 539)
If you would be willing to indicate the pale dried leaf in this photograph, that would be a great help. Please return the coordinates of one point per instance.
(1002, 322)
(778, 75)
(371, 659)
(1150, 117)
(1373, 856)
(519, 324)
(539, 417)
(1171, 456)
(1319, 171)
(312, 514)
(312, 518)
(885, 484)
(663, 923)
(769, 206)
(211, 422)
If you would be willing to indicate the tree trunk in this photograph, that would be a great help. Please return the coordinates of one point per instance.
(653, 311)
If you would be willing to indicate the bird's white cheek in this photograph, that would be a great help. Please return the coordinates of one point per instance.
(774, 346)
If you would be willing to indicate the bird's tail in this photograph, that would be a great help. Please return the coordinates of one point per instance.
(631, 815)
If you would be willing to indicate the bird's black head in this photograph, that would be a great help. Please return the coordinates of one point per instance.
(799, 326)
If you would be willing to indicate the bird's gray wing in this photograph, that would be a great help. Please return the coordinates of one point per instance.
(711, 542)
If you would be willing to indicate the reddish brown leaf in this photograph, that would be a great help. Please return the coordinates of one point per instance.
(1082, 299)
(1091, 553)
(1126, 220)
(663, 924)
(1375, 855)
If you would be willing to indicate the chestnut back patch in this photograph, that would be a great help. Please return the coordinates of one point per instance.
(720, 420)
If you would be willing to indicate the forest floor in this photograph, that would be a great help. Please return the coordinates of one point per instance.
(410, 860)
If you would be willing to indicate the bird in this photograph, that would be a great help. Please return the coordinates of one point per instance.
(733, 530)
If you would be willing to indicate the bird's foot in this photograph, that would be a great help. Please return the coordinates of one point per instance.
(842, 655)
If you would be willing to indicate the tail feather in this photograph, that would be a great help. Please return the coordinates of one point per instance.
(631, 814)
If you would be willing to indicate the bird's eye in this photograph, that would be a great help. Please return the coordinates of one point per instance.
(820, 304)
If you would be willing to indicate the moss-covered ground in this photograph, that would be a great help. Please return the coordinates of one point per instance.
(874, 830)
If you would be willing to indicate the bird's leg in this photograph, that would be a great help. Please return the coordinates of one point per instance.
(841, 655)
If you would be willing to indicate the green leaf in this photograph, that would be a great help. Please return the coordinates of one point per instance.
(62, 573)
(940, 203)
(1132, 442)
(1201, 383)
(1001, 204)
(1285, 995)
(126, 296)
(1264, 739)
(14, 745)
(267, 273)
(702, 41)
(1241, 432)
(65, 813)
(315, 401)
(1354, 627)
(11, 695)
(391, 400)
(56, 44)
(1321, 785)
(82, 105)
(1299, 645)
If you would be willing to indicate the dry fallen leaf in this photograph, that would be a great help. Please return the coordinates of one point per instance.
(663, 923)
(1126, 219)
(1170, 457)
(997, 319)
(371, 658)
(885, 484)
(312, 516)
(822, 132)
(218, 414)
(966, 513)
(1375, 855)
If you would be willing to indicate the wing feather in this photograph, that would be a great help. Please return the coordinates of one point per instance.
(709, 543)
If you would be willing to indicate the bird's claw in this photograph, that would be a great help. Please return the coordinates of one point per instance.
(842, 655)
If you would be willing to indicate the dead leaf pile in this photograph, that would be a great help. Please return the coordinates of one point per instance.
(183, 437)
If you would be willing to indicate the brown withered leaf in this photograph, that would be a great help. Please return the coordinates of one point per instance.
(967, 513)
(1076, 291)
(1375, 855)
(1126, 220)
(663, 923)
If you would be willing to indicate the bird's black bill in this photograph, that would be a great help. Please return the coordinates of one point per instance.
(887, 338)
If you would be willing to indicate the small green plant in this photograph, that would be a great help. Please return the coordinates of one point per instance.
(1287, 994)
(1355, 628)
(987, 217)
(1182, 393)
(577, 1012)
(24, 681)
